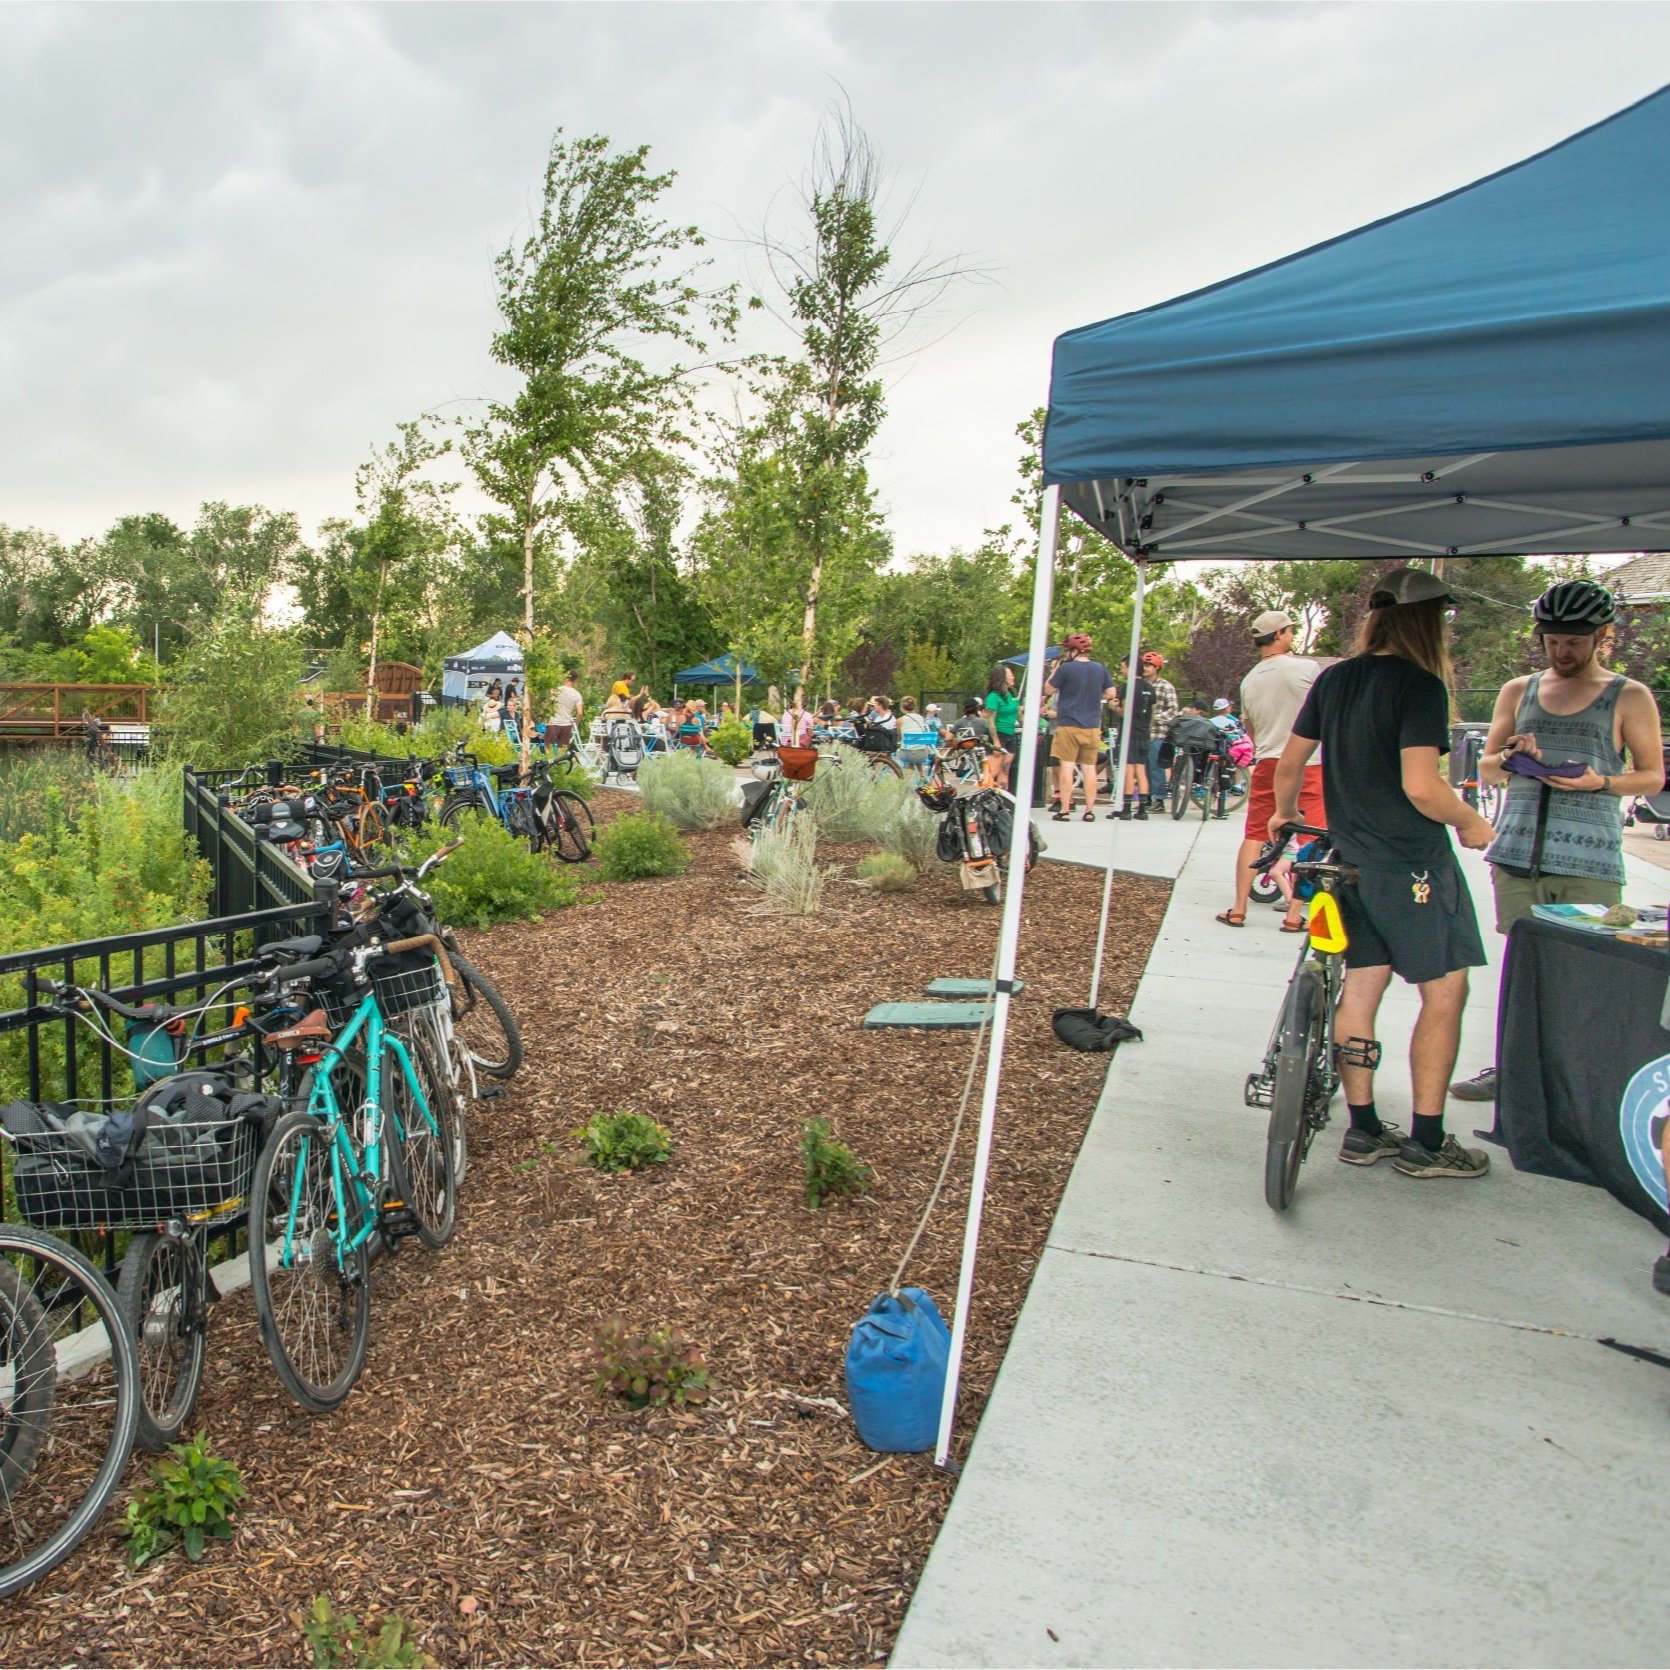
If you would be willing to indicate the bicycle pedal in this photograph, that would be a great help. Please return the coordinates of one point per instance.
(1259, 1092)
(396, 1221)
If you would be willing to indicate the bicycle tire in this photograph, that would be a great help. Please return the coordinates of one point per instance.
(569, 825)
(55, 1492)
(423, 1153)
(315, 1316)
(1182, 786)
(1240, 786)
(523, 822)
(484, 1022)
(884, 765)
(1288, 1137)
(1489, 801)
(452, 810)
(163, 1295)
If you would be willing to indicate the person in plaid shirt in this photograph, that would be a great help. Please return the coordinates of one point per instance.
(1165, 710)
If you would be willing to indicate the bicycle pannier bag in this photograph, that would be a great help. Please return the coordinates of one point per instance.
(798, 763)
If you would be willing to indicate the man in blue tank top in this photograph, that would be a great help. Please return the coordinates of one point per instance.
(1560, 840)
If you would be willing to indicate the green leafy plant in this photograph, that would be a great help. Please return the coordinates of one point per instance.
(785, 863)
(687, 790)
(732, 741)
(335, 1639)
(234, 697)
(651, 1369)
(887, 872)
(193, 1498)
(623, 1141)
(638, 845)
(831, 1167)
(492, 878)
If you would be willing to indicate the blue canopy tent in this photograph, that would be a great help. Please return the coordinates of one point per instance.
(1486, 374)
(1050, 653)
(728, 668)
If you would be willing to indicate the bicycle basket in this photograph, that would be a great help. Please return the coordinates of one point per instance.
(798, 763)
(459, 777)
(403, 983)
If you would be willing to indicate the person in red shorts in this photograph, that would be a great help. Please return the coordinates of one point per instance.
(1271, 696)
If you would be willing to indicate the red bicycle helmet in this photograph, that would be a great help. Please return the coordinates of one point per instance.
(1153, 659)
(1078, 642)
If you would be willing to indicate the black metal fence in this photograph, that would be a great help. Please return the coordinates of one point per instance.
(249, 874)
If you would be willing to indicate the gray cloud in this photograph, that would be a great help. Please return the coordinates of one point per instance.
(242, 242)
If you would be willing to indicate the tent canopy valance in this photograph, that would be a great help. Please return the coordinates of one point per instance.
(1488, 373)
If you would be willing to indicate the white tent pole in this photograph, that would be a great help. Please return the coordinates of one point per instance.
(1008, 937)
(1119, 776)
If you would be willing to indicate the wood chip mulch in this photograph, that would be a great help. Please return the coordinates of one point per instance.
(474, 1482)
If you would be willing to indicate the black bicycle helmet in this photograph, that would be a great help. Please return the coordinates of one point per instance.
(1574, 606)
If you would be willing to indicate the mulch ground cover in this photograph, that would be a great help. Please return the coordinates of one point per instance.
(475, 1483)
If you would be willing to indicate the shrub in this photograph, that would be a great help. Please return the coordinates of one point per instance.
(193, 1497)
(638, 845)
(732, 741)
(624, 1141)
(831, 1167)
(687, 790)
(850, 800)
(335, 1639)
(785, 863)
(887, 872)
(900, 824)
(444, 729)
(656, 1368)
(235, 696)
(492, 878)
(41, 787)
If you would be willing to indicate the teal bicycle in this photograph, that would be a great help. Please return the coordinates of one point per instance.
(366, 1163)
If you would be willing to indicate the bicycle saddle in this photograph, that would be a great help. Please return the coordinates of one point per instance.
(293, 950)
(507, 773)
(279, 832)
(312, 1028)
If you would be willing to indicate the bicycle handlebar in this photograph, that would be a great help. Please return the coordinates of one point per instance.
(1272, 850)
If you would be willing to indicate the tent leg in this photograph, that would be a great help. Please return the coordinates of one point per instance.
(1007, 941)
(1132, 675)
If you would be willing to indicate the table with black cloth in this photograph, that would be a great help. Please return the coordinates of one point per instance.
(1580, 1014)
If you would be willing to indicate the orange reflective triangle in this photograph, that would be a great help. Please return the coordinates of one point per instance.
(1327, 929)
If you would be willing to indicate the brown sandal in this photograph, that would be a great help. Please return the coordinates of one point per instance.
(1232, 918)
(1300, 927)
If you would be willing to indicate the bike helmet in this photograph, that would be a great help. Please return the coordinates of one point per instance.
(1153, 659)
(1574, 606)
(1078, 642)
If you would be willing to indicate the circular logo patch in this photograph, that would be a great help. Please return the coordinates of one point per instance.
(1642, 1115)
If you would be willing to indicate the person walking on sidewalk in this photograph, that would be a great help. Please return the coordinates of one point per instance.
(1271, 695)
(1165, 710)
(1383, 719)
(1081, 689)
(1560, 840)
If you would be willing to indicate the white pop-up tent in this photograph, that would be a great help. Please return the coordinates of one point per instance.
(1488, 373)
(466, 676)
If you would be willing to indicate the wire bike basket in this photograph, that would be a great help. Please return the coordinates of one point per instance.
(400, 988)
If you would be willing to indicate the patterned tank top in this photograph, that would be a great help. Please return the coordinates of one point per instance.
(1584, 833)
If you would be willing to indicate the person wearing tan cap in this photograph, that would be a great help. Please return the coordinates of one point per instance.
(1271, 696)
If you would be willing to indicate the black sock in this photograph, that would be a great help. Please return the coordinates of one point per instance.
(1429, 1130)
(1364, 1118)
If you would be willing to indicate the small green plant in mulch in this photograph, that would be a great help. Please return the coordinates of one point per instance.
(546, 1148)
(193, 1499)
(623, 1141)
(887, 872)
(831, 1167)
(652, 1369)
(732, 741)
(689, 791)
(639, 845)
(335, 1641)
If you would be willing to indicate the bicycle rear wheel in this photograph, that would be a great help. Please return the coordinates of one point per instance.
(312, 1299)
(423, 1147)
(1239, 782)
(568, 826)
(69, 1402)
(1182, 785)
(483, 1020)
(1288, 1136)
(163, 1293)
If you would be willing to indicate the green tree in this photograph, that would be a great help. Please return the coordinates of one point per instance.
(590, 288)
(235, 696)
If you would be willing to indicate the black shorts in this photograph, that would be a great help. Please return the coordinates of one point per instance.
(1420, 920)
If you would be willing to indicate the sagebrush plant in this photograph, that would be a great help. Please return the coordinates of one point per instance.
(624, 1141)
(637, 846)
(887, 872)
(193, 1499)
(687, 790)
(732, 741)
(493, 877)
(902, 825)
(335, 1641)
(831, 1167)
(652, 1369)
(784, 861)
(848, 798)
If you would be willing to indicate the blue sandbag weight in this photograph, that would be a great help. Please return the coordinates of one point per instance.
(896, 1364)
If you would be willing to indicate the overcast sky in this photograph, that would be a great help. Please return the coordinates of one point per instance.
(238, 244)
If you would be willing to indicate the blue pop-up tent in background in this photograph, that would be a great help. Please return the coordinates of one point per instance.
(1488, 373)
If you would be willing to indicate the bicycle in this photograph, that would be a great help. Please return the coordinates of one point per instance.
(494, 791)
(69, 1402)
(327, 1186)
(565, 818)
(1301, 1071)
(1485, 798)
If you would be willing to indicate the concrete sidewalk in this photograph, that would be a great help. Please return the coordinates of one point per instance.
(1377, 1429)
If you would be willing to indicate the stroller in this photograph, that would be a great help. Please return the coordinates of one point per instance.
(1653, 809)
(623, 750)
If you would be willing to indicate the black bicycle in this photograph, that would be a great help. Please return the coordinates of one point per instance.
(1300, 1075)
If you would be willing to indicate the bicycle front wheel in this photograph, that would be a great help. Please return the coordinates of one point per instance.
(163, 1293)
(483, 1020)
(312, 1296)
(1240, 786)
(1490, 801)
(423, 1151)
(1288, 1135)
(1182, 786)
(69, 1402)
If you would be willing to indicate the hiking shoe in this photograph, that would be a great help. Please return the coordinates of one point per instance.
(1452, 1160)
(1361, 1149)
(1480, 1088)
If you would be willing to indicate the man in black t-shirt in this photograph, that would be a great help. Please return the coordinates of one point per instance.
(1382, 718)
